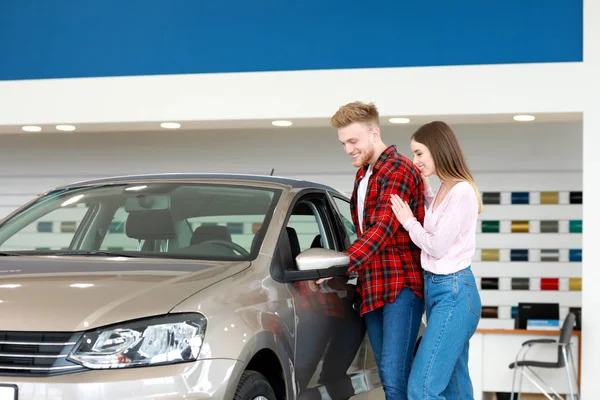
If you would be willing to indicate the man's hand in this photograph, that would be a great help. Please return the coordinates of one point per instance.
(322, 280)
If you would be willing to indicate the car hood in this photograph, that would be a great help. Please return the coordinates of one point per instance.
(79, 293)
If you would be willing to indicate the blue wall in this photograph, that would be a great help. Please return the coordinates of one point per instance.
(79, 38)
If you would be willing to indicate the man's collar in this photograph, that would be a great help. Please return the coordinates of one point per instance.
(383, 157)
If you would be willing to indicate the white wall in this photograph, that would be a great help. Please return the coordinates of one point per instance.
(502, 157)
(31, 163)
(505, 158)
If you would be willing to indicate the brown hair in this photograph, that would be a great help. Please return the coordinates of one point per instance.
(355, 112)
(450, 164)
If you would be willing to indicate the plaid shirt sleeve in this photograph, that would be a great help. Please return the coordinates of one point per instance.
(381, 233)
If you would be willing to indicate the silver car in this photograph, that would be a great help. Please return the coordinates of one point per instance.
(181, 287)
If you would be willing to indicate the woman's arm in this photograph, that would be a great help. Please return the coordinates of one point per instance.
(459, 210)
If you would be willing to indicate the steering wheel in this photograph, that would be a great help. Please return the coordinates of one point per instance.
(233, 246)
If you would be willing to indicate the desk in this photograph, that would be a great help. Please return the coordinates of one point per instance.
(492, 350)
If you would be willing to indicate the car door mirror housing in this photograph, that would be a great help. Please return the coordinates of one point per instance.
(328, 262)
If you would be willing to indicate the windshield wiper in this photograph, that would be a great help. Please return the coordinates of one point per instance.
(93, 253)
(9, 254)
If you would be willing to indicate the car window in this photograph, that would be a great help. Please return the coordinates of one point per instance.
(308, 225)
(241, 229)
(116, 239)
(307, 229)
(52, 231)
(164, 219)
(343, 207)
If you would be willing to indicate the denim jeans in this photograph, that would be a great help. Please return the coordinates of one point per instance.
(393, 331)
(453, 309)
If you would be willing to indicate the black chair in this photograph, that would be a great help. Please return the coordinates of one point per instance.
(154, 227)
(565, 360)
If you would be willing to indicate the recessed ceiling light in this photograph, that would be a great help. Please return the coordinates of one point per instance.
(170, 125)
(31, 128)
(523, 118)
(282, 123)
(399, 120)
(66, 128)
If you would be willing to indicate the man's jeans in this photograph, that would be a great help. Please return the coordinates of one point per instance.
(453, 309)
(393, 331)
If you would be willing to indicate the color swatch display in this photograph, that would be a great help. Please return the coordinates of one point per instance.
(545, 197)
(549, 198)
(549, 255)
(489, 283)
(489, 312)
(549, 226)
(576, 226)
(575, 255)
(68, 226)
(519, 198)
(44, 226)
(523, 255)
(575, 284)
(526, 242)
(519, 226)
(519, 255)
(526, 226)
(490, 198)
(576, 197)
(490, 226)
(490, 255)
(514, 311)
(549, 284)
(116, 227)
(520, 284)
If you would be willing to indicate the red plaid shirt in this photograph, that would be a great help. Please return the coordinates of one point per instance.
(384, 258)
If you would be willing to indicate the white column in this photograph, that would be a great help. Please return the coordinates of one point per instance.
(590, 384)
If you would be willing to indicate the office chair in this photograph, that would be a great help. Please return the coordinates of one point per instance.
(565, 359)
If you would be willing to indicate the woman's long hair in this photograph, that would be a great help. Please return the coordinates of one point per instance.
(450, 164)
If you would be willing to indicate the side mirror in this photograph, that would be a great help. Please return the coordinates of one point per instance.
(328, 263)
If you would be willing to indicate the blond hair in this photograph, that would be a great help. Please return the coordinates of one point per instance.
(450, 164)
(356, 112)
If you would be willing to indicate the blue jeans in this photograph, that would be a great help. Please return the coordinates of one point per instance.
(393, 331)
(453, 308)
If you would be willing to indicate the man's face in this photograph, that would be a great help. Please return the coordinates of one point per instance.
(359, 143)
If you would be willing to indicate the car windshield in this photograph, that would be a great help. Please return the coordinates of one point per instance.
(155, 219)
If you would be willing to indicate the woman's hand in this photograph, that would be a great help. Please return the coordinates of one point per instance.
(401, 209)
(424, 178)
(425, 181)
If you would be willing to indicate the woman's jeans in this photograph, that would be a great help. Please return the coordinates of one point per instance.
(393, 331)
(453, 309)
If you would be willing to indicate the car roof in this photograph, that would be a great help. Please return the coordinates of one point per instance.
(289, 183)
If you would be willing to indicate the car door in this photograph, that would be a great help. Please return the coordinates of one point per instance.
(329, 332)
(341, 207)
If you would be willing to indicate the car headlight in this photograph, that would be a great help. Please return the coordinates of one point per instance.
(161, 340)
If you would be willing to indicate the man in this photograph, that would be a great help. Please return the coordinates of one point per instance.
(383, 258)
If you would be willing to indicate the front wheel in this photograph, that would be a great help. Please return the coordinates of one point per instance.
(254, 386)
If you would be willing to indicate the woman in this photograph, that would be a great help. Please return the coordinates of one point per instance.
(447, 241)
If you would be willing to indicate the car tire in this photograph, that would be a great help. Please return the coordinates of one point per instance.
(254, 386)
